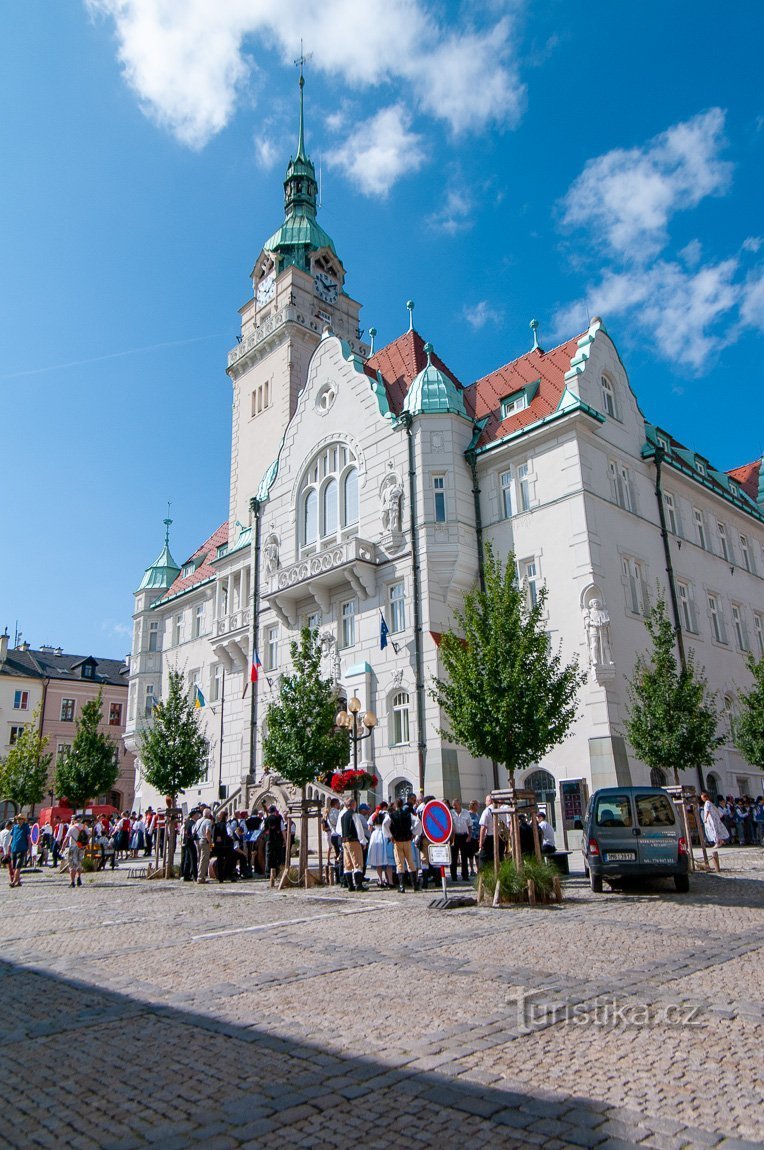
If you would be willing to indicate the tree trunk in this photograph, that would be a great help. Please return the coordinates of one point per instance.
(302, 863)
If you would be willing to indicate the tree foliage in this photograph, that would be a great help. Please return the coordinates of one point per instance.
(90, 769)
(506, 694)
(672, 720)
(302, 741)
(173, 750)
(749, 726)
(24, 772)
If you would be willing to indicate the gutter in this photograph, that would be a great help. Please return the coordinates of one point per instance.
(255, 507)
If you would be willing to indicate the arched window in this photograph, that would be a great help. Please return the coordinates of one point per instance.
(657, 777)
(608, 397)
(329, 509)
(310, 516)
(328, 495)
(712, 782)
(400, 719)
(350, 497)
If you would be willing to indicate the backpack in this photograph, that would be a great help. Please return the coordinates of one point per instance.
(82, 838)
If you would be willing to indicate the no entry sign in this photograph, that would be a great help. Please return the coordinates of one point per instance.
(437, 823)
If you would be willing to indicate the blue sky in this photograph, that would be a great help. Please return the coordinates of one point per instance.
(494, 161)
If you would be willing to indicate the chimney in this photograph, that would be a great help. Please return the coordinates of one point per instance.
(3, 647)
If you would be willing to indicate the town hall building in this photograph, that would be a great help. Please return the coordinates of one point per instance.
(364, 483)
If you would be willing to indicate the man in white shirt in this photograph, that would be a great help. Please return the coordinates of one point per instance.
(203, 831)
(546, 834)
(460, 840)
(354, 840)
(486, 834)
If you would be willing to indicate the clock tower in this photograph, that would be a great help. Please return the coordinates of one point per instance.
(298, 288)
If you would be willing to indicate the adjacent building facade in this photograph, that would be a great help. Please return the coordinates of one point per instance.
(364, 484)
(49, 687)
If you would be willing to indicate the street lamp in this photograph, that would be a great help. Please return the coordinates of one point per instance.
(359, 726)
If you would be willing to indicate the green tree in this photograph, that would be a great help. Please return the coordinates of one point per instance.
(672, 721)
(90, 768)
(302, 740)
(749, 726)
(173, 750)
(507, 696)
(24, 772)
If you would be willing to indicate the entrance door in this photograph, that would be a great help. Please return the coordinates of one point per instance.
(545, 787)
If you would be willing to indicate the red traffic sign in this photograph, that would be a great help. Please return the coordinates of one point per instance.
(437, 823)
(35, 834)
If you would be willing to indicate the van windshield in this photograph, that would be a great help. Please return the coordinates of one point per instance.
(613, 811)
(655, 811)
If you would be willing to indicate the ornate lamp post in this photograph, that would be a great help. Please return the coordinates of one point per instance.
(359, 727)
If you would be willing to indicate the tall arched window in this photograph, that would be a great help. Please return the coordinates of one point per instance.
(400, 716)
(350, 497)
(310, 516)
(657, 777)
(329, 509)
(328, 496)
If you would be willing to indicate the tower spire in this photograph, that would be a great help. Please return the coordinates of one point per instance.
(300, 62)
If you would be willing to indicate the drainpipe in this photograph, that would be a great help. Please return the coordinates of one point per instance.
(471, 458)
(406, 421)
(659, 456)
(41, 725)
(255, 507)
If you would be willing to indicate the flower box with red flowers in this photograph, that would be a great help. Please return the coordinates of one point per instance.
(353, 781)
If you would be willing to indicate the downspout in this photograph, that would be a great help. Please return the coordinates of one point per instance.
(471, 458)
(222, 715)
(45, 685)
(406, 421)
(255, 507)
(659, 456)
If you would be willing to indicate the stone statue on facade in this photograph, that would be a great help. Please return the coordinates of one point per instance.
(391, 505)
(271, 550)
(597, 623)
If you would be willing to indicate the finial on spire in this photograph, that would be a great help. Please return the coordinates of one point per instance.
(167, 525)
(372, 334)
(300, 62)
(428, 352)
(410, 306)
(534, 326)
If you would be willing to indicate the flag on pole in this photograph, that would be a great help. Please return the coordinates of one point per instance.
(384, 631)
(199, 700)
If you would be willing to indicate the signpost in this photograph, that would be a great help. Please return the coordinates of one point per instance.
(438, 826)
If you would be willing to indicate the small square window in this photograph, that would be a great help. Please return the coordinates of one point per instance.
(115, 714)
(21, 701)
(67, 710)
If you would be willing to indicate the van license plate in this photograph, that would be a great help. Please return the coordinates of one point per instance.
(620, 856)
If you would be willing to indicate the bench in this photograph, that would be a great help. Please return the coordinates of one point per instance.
(560, 860)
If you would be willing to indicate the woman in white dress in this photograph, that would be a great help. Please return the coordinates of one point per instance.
(716, 832)
(380, 854)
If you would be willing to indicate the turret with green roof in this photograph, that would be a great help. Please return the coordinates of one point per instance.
(164, 570)
(432, 391)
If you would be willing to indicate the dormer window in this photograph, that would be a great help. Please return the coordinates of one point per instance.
(663, 442)
(188, 569)
(608, 397)
(514, 403)
(222, 550)
(700, 466)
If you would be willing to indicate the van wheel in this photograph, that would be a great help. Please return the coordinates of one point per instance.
(682, 883)
(595, 882)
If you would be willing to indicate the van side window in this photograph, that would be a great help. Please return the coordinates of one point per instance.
(613, 811)
(655, 811)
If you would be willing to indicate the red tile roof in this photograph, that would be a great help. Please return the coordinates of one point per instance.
(548, 367)
(748, 477)
(399, 362)
(207, 552)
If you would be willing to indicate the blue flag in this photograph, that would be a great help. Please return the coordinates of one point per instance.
(384, 631)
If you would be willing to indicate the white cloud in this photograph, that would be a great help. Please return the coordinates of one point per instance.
(268, 152)
(628, 196)
(455, 215)
(480, 314)
(189, 62)
(678, 310)
(752, 243)
(752, 304)
(374, 157)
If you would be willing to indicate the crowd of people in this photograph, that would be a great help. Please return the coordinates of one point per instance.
(385, 845)
(730, 821)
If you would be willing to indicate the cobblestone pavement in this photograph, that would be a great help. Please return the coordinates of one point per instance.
(141, 1014)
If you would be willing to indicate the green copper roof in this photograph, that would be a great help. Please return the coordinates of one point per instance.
(432, 391)
(164, 570)
(299, 235)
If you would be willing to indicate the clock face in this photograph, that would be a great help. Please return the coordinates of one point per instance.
(266, 289)
(326, 287)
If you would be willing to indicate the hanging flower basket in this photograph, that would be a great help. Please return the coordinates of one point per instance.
(353, 781)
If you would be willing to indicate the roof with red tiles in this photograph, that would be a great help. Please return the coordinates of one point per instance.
(203, 569)
(748, 476)
(547, 368)
(400, 362)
